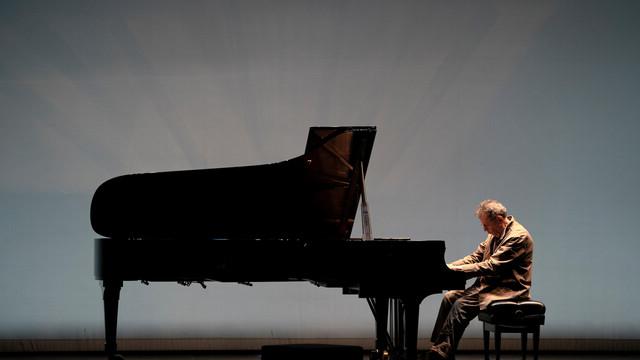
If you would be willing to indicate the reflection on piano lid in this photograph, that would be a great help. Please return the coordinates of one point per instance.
(310, 197)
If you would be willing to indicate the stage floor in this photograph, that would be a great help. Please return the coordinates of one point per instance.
(256, 356)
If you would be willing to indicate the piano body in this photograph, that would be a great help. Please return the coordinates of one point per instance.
(287, 221)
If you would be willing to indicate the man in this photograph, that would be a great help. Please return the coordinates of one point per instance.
(502, 265)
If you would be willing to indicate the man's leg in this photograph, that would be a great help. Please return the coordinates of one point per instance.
(463, 308)
(445, 306)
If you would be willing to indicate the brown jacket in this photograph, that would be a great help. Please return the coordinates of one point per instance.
(503, 265)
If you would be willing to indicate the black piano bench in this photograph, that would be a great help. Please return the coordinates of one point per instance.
(311, 352)
(522, 317)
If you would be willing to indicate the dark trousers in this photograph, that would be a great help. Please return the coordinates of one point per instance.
(457, 309)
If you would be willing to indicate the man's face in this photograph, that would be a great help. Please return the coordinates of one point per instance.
(494, 226)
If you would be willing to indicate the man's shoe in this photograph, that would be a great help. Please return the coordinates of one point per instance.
(434, 355)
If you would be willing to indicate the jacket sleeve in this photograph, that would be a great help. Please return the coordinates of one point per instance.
(474, 257)
(507, 252)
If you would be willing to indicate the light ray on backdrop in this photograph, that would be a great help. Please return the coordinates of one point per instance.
(534, 103)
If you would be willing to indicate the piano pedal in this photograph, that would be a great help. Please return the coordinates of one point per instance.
(146, 282)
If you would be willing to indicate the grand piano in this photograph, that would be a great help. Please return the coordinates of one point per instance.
(286, 221)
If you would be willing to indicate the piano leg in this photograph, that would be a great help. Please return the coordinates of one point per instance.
(381, 317)
(111, 295)
(411, 307)
(397, 326)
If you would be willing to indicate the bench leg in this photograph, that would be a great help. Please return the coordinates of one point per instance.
(523, 336)
(498, 339)
(536, 342)
(486, 344)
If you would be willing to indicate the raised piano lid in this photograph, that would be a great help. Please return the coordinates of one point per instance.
(312, 197)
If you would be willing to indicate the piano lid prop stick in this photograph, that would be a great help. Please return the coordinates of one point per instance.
(364, 207)
(395, 315)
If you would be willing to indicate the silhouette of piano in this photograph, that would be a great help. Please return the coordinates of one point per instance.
(287, 221)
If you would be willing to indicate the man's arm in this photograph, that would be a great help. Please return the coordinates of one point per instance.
(510, 250)
(474, 257)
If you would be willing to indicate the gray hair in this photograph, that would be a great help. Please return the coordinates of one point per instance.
(491, 208)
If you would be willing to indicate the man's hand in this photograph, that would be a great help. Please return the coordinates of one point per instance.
(455, 267)
(460, 268)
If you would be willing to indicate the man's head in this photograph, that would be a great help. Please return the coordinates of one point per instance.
(493, 216)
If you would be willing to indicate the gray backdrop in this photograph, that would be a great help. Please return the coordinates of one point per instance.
(535, 103)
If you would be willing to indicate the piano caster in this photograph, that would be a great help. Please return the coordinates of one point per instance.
(116, 357)
(398, 355)
(379, 355)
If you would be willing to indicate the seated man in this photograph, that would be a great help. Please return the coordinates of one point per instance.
(502, 265)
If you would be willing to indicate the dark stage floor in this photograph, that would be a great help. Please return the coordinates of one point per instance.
(218, 356)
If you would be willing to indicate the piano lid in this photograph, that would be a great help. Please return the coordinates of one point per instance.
(312, 197)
